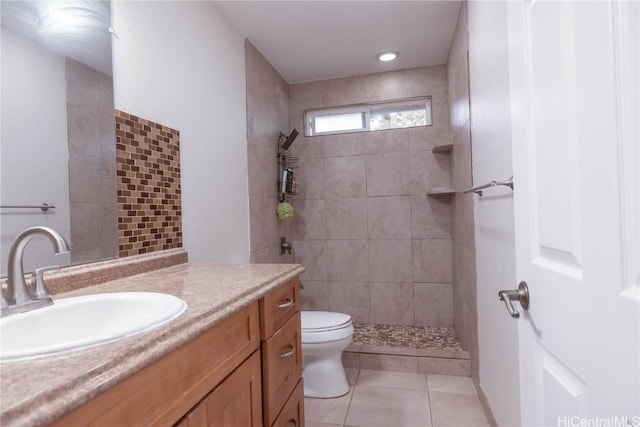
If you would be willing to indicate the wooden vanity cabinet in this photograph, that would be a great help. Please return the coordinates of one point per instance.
(281, 355)
(163, 392)
(244, 372)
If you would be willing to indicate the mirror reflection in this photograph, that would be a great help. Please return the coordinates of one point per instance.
(58, 129)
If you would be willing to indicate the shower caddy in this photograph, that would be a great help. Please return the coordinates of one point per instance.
(287, 163)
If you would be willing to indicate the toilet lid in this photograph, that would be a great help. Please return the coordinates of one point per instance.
(321, 321)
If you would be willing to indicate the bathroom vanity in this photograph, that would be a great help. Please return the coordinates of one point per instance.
(233, 356)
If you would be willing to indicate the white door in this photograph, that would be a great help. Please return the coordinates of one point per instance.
(574, 93)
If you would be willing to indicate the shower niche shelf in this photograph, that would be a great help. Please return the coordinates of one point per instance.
(441, 191)
(444, 148)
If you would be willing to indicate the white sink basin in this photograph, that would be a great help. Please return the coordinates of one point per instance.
(80, 322)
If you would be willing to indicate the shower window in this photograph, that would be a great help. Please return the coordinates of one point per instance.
(369, 117)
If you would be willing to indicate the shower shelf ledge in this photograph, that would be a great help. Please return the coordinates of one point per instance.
(440, 191)
(445, 148)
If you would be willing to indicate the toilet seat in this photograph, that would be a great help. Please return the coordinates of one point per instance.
(324, 327)
(323, 321)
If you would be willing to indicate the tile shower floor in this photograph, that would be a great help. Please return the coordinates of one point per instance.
(407, 348)
(399, 399)
(407, 336)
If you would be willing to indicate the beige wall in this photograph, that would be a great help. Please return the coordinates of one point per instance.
(373, 244)
(464, 271)
(267, 116)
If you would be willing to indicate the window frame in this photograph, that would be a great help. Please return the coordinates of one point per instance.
(310, 115)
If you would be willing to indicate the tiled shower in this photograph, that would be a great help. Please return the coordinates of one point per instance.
(373, 243)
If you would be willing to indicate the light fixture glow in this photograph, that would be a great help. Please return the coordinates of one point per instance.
(387, 55)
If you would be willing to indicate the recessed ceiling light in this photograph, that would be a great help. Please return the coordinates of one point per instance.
(387, 55)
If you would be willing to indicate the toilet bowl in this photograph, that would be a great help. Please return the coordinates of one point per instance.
(325, 335)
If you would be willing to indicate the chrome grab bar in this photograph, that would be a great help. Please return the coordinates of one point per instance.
(478, 188)
(43, 207)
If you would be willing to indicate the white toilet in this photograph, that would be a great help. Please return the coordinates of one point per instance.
(324, 337)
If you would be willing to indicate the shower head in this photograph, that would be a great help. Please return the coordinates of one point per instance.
(289, 140)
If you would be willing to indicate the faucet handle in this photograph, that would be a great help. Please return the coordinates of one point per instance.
(40, 290)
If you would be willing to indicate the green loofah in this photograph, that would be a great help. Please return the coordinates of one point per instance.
(284, 210)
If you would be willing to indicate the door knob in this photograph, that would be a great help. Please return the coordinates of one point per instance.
(521, 294)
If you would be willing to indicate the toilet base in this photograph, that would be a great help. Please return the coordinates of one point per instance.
(324, 378)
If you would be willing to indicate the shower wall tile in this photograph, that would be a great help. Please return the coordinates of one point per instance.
(346, 218)
(83, 130)
(385, 141)
(352, 298)
(373, 185)
(310, 179)
(312, 254)
(263, 172)
(92, 165)
(385, 86)
(310, 220)
(436, 134)
(85, 178)
(314, 295)
(348, 260)
(388, 174)
(268, 255)
(390, 260)
(346, 144)
(392, 303)
(86, 216)
(389, 217)
(430, 81)
(432, 260)
(433, 304)
(267, 117)
(345, 176)
(462, 215)
(149, 192)
(428, 170)
(343, 91)
(430, 217)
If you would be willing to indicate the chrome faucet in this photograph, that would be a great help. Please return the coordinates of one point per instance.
(18, 299)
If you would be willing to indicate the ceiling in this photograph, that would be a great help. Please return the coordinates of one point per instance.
(318, 40)
(78, 29)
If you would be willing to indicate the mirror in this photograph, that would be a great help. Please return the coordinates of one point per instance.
(58, 129)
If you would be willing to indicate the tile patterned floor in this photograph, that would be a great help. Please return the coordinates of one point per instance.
(408, 336)
(399, 399)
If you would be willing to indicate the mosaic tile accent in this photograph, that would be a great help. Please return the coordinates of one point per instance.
(406, 336)
(149, 193)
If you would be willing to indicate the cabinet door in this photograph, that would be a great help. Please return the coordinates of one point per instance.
(237, 402)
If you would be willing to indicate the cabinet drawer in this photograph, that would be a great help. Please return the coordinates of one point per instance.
(292, 415)
(278, 307)
(281, 367)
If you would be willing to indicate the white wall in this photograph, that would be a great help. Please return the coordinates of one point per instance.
(181, 64)
(34, 127)
(494, 223)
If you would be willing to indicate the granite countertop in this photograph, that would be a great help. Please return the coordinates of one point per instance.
(41, 390)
